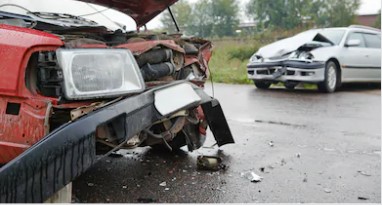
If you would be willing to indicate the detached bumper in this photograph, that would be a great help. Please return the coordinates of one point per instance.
(289, 70)
(69, 151)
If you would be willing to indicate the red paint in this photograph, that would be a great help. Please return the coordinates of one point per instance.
(142, 11)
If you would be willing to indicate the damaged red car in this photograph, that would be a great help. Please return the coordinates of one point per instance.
(73, 90)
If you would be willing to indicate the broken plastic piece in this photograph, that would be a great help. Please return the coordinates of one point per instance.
(209, 163)
(253, 177)
(163, 184)
(271, 143)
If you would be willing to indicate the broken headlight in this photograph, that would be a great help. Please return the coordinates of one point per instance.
(99, 73)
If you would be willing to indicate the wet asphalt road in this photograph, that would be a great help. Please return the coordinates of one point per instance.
(326, 149)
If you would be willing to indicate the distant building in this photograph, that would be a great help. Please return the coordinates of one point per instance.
(366, 19)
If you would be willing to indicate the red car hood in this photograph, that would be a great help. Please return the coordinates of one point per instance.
(142, 11)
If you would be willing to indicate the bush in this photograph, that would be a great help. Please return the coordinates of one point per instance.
(243, 53)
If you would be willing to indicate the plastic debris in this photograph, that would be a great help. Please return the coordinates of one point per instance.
(90, 184)
(327, 190)
(298, 155)
(363, 173)
(209, 163)
(271, 143)
(363, 198)
(166, 189)
(163, 184)
(253, 177)
(124, 187)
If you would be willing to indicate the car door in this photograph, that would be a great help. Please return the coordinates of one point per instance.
(373, 53)
(355, 57)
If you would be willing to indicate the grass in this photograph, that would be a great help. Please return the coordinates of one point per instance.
(229, 61)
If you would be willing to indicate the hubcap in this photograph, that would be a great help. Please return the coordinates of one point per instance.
(332, 77)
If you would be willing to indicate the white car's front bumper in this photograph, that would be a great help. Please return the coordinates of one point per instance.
(283, 71)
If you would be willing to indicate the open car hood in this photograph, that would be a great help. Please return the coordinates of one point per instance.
(283, 47)
(142, 11)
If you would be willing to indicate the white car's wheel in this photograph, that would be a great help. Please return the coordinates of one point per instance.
(331, 81)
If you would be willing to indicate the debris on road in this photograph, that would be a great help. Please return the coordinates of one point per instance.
(298, 155)
(90, 184)
(210, 163)
(327, 190)
(166, 189)
(253, 177)
(271, 143)
(363, 198)
(262, 169)
(124, 187)
(163, 184)
(363, 173)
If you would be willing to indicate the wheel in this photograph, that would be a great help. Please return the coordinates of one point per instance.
(290, 85)
(262, 84)
(331, 81)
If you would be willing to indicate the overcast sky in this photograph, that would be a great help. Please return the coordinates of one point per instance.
(367, 7)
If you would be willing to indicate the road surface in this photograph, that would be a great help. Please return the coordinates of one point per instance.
(309, 147)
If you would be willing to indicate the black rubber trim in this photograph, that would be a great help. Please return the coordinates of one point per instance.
(358, 67)
(288, 63)
(69, 151)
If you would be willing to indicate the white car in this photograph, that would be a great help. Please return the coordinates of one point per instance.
(327, 57)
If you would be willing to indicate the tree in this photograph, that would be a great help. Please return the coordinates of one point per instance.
(225, 17)
(182, 13)
(288, 14)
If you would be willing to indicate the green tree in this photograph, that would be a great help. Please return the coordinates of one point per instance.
(377, 23)
(225, 17)
(288, 14)
(182, 13)
(201, 20)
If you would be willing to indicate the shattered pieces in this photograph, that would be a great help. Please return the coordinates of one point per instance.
(124, 187)
(270, 143)
(298, 155)
(363, 173)
(166, 189)
(91, 184)
(327, 190)
(163, 184)
(253, 177)
(363, 198)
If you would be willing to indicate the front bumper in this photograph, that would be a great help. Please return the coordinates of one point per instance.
(69, 151)
(289, 70)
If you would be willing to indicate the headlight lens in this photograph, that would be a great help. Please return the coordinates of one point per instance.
(99, 73)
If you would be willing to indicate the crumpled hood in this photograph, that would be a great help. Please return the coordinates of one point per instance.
(285, 46)
(142, 11)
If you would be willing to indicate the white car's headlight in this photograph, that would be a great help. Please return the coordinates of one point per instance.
(99, 73)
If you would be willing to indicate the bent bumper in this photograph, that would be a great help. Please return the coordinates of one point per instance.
(284, 71)
(69, 151)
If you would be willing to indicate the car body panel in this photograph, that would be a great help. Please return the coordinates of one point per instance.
(142, 11)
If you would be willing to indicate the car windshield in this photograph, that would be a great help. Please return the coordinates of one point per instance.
(110, 18)
(334, 35)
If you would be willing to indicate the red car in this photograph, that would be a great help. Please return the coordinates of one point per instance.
(72, 90)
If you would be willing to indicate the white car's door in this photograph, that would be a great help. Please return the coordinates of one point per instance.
(356, 65)
(373, 43)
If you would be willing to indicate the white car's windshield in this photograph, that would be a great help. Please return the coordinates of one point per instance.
(107, 17)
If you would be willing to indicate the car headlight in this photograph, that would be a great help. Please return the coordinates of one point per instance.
(306, 56)
(254, 57)
(99, 73)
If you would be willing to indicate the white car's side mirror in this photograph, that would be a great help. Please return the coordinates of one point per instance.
(353, 43)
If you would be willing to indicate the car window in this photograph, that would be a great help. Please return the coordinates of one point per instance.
(372, 40)
(358, 36)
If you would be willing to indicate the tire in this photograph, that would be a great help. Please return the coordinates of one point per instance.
(290, 86)
(332, 80)
(262, 84)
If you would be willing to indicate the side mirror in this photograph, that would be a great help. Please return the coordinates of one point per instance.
(353, 43)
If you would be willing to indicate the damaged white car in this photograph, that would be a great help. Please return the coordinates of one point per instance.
(327, 57)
